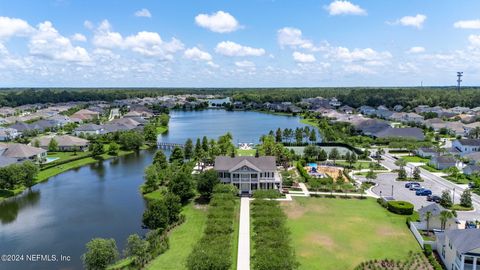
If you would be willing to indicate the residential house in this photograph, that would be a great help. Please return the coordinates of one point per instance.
(248, 173)
(334, 102)
(442, 162)
(459, 249)
(467, 146)
(434, 221)
(367, 110)
(459, 110)
(370, 127)
(85, 114)
(88, 129)
(22, 152)
(7, 111)
(346, 109)
(398, 108)
(406, 117)
(406, 133)
(469, 127)
(8, 134)
(426, 152)
(65, 143)
(471, 169)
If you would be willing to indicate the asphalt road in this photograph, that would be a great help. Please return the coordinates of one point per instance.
(431, 181)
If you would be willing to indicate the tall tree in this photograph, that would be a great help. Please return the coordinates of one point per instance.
(188, 149)
(177, 155)
(278, 135)
(334, 155)
(100, 253)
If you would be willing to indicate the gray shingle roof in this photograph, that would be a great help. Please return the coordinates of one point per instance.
(464, 240)
(224, 163)
(433, 208)
(18, 150)
(471, 142)
(413, 133)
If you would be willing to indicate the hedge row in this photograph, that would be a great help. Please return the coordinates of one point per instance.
(60, 162)
(303, 173)
(214, 249)
(271, 238)
(400, 207)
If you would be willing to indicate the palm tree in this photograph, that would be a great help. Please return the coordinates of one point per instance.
(428, 215)
(474, 133)
(444, 217)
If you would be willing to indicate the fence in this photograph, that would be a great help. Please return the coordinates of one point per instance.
(419, 237)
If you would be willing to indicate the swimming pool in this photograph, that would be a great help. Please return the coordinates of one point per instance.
(51, 159)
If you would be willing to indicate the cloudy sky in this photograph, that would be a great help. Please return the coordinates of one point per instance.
(241, 43)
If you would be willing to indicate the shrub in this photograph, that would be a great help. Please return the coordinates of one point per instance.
(382, 202)
(427, 249)
(400, 207)
(266, 194)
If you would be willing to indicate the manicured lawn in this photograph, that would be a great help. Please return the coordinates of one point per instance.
(415, 159)
(182, 239)
(462, 180)
(162, 129)
(429, 168)
(249, 152)
(331, 234)
(155, 195)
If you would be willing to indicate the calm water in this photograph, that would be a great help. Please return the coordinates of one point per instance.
(102, 200)
(246, 127)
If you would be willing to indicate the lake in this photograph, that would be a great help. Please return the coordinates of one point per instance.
(102, 200)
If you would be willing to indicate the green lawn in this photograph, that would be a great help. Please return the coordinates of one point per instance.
(161, 129)
(429, 168)
(249, 152)
(182, 240)
(415, 159)
(462, 180)
(331, 234)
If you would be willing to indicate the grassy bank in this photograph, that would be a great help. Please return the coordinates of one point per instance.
(182, 239)
(342, 233)
(161, 129)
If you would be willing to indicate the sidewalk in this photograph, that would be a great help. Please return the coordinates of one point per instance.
(243, 258)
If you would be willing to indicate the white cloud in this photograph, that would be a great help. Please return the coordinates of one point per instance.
(292, 37)
(357, 69)
(339, 7)
(245, 64)
(469, 24)
(212, 64)
(356, 55)
(414, 21)
(220, 22)
(474, 40)
(144, 42)
(416, 49)
(47, 42)
(88, 24)
(78, 37)
(197, 54)
(14, 27)
(303, 57)
(143, 13)
(230, 48)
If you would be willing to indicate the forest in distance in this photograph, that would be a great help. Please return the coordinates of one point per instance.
(408, 97)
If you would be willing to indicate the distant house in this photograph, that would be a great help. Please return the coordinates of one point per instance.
(434, 220)
(405, 133)
(467, 146)
(442, 162)
(459, 249)
(8, 134)
(7, 111)
(248, 173)
(65, 143)
(22, 152)
(88, 129)
(406, 117)
(346, 109)
(367, 110)
(398, 108)
(426, 152)
(471, 169)
(370, 127)
(85, 114)
(144, 114)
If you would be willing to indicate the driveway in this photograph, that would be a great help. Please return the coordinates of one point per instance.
(243, 258)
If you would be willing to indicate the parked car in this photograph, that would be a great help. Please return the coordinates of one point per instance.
(433, 198)
(470, 225)
(423, 192)
(415, 187)
(409, 184)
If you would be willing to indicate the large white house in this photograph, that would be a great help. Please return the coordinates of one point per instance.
(248, 173)
(459, 249)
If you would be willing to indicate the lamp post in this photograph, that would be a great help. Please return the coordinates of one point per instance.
(380, 194)
(392, 190)
(453, 197)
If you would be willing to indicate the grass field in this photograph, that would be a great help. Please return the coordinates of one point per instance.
(415, 159)
(331, 234)
(182, 240)
(249, 152)
(161, 129)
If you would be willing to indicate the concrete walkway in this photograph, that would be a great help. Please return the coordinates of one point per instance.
(243, 258)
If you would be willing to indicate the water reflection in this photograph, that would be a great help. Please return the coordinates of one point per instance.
(11, 207)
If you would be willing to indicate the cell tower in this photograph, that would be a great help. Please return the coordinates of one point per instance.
(459, 80)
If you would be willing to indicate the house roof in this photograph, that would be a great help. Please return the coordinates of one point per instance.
(433, 208)
(444, 159)
(62, 140)
(5, 161)
(224, 163)
(414, 133)
(88, 127)
(469, 142)
(464, 240)
(18, 150)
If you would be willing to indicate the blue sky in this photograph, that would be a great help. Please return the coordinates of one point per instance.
(247, 43)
